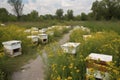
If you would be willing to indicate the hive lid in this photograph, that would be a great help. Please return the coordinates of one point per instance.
(32, 36)
(71, 44)
(102, 57)
(11, 42)
(87, 35)
(42, 34)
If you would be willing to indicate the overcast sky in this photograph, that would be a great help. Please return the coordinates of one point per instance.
(50, 6)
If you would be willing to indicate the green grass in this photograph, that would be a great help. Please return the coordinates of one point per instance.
(13, 31)
(13, 64)
(93, 25)
(103, 26)
(97, 25)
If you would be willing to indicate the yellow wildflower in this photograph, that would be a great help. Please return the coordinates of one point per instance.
(71, 65)
(63, 68)
(53, 65)
(69, 78)
(58, 78)
(77, 70)
(75, 67)
(115, 71)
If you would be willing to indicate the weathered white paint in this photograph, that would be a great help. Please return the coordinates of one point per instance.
(43, 38)
(104, 75)
(2, 24)
(86, 36)
(101, 57)
(98, 74)
(11, 46)
(70, 47)
(33, 38)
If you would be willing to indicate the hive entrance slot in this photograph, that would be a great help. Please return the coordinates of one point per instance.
(16, 50)
(98, 79)
(44, 40)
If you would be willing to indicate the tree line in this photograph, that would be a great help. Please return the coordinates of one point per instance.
(101, 10)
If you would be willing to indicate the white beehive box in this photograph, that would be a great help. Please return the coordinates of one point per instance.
(34, 32)
(68, 27)
(86, 36)
(12, 48)
(85, 29)
(33, 38)
(2, 24)
(98, 69)
(43, 38)
(43, 30)
(50, 33)
(34, 29)
(50, 28)
(70, 47)
(27, 31)
(76, 27)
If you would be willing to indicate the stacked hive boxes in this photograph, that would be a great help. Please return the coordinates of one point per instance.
(97, 66)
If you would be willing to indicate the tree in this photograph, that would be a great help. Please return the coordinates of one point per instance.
(59, 13)
(90, 16)
(107, 9)
(70, 14)
(17, 7)
(33, 16)
(48, 16)
(83, 16)
(78, 17)
(3, 15)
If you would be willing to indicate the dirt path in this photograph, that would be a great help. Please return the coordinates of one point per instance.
(65, 38)
(35, 69)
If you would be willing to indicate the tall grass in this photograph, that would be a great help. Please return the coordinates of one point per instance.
(9, 65)
(63, 66)
(93, 25)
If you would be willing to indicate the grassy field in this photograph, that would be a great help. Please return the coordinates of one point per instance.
(11, 64)
(93, 25)
(97, 25)
(13, 32)
(62, 66)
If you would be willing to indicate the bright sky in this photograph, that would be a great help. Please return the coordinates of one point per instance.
(50, 6)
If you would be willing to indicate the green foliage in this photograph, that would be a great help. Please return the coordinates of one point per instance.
(3, 15)
(83, 16)
(17, 7)
(33, 16)
(8, 65)
(69, 15)
(14, 33)
(77, 35)
(62, 66)
(97, 41)
(2, 75)
(101, 26)
(106, 9)
(59, 14)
